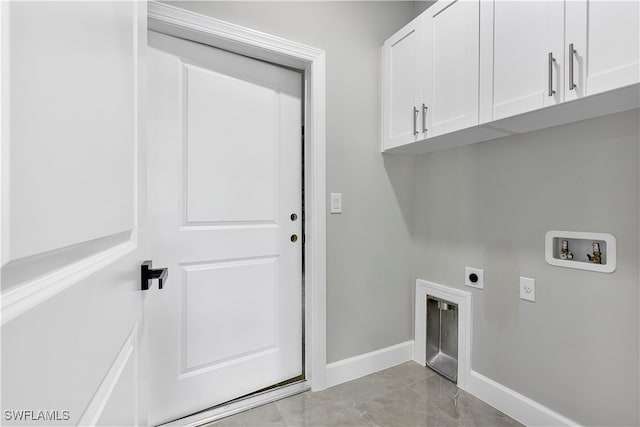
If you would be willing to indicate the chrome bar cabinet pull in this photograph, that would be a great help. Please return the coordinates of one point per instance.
(424, 118)
(572, 51)
(551, 61)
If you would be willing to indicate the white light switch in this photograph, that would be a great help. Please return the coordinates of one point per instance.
(528, 289)
(336, 202)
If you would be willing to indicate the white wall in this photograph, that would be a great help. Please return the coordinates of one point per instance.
(369, 284)
(489, 205)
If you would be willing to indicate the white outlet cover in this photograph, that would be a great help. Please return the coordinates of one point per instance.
(528, 289)
(478, 272)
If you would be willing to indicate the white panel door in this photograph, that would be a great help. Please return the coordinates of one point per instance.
(451, 66)
(402, 86)
(522, 57)
(605, 36)
(71, 194)
(225, 216)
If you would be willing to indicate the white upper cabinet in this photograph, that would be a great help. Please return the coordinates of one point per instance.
(467, 71)
(451, 52)
(522, 52)
(540, 53)
(402, 85)
(605, 39)
(430, 74)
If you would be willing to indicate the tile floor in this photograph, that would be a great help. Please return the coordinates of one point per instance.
(405, 395)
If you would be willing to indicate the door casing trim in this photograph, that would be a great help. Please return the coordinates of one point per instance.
(182, 23)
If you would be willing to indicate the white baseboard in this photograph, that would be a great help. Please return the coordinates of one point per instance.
(514, 404)
(358, 366)
(510, 402)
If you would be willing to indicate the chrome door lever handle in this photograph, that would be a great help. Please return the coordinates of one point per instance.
(147, 274)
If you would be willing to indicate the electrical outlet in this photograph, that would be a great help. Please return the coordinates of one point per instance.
(528, 289)
(474, 277)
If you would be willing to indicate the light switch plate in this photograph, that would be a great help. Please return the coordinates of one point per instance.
(528, 289)
(336, 202)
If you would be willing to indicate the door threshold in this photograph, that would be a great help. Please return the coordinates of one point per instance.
(239, 405)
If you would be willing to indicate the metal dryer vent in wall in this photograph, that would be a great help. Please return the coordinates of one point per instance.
(442, 337)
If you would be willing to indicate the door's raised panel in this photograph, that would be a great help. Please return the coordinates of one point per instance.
(72, 130)
(220, 148)
(65, 353)
(218, 330)
(121, 408)
(115, 403)
(27, 270)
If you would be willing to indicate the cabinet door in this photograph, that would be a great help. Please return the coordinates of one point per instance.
(401, 86)
(521, 57)
(451, 65)
(606, 43)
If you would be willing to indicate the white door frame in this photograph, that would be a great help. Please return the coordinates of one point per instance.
(179, 22)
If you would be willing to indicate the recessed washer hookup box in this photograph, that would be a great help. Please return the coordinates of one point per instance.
(442, 337)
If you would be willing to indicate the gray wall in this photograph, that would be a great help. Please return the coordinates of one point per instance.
(369, 283)
(489, 205)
